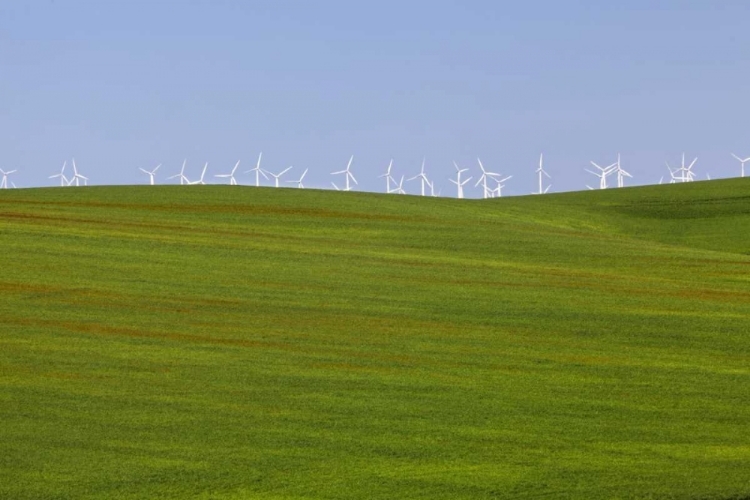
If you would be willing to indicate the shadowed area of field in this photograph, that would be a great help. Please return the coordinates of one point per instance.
(221, 342)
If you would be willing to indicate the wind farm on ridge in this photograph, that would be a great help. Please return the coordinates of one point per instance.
(491, 183)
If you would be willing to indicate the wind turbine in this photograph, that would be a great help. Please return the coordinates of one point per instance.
(422, 177)
(621, 174)
(4, 182)
(181, 175)
(299, 181)
(459, 185)
(151, 174)
(500, 185)
(277, 176)
(542, 172)
(78, 177)
(399, 189)
(388, 177)
(603, 173)
(742, 163)
(232, 180)
(672, 176)
(199, 181)
(61, 175)
(483, 179)
(686, 173)
(258, 171)
(347, 175)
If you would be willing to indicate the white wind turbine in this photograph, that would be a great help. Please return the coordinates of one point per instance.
(398, 187)
(686, 173)
(459, 185)
(388, 177)
(232, 180)
(621, 174)
(181, 175)
(299, 181)
(483, 180)
(4, 182)
(151, 173)
(742, 163)
(672, 177)
(423, 178)
(602, 174)
(78, 177)
(199, 181)
(258, 171)
(276, 177)
(347, 176)
(63, 180)
(498, 191)
(542, 172)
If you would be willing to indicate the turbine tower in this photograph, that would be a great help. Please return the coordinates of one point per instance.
(347, 176)
(498, 191)
(621, 174)
(388, 177)
(742, 163)
(459, 185)
(78, 177)
(181, 175)
(422, 177)
(230, 175)
(151, 173)
(541, 173)
(299, 181)
(602, 174)
(276, 177)
(258, 171)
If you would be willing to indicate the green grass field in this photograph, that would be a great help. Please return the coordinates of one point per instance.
(215, 342)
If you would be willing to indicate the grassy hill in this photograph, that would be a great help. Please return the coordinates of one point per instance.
(219, 342)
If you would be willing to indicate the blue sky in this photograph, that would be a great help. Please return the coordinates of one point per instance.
(125, 84)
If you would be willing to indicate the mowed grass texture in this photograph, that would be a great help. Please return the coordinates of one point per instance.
(219, 342)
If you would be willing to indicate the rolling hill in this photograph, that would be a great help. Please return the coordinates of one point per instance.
(218, 342)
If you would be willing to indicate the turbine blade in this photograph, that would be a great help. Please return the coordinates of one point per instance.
(480, 165)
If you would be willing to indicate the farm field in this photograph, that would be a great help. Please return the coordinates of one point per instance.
(217, 342)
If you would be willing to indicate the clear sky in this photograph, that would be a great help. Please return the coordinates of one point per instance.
(125, 84)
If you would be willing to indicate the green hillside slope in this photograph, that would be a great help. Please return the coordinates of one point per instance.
(220, 342)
